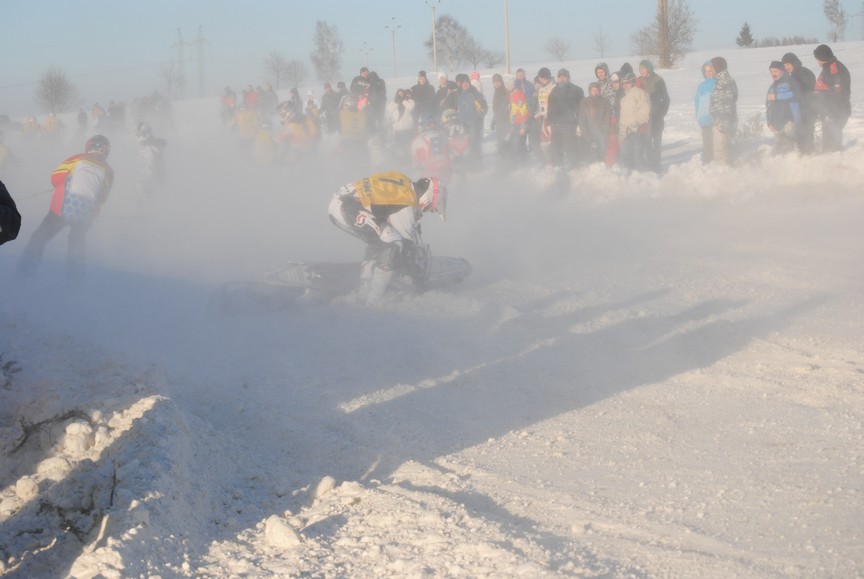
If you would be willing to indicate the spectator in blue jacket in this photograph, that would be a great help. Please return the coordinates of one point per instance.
(703, 113)
(783, 109)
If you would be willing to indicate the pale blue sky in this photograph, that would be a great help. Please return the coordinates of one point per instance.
(114, 49)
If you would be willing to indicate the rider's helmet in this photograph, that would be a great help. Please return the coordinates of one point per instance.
(288, 110)
(449, 117)
(431, 195)
(425, 122)
(142, 130)
(98, 143)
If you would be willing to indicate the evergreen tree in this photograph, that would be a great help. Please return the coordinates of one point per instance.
(745, 37)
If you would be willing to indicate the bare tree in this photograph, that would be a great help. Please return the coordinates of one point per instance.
(474, 51)
(173, 79)
(557, 47)
(601, 42)
(451, 38)
(836, 16)
(296, 73)
(493, 58)
(276, 68)
(55, 93)
(327, 56)
(670, 36)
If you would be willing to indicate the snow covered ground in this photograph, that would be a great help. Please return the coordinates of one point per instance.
(645, 376)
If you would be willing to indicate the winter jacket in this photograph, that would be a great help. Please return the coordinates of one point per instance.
(635, 112)
(724, 103)
(785, 107)
(81, 185)
(543, 95)
(447, 97)
(606, 88)
(655, 86)
(703, 99)
(377, 99)
(833, 90)
(595, 119)
(330, 107)
(424, 99)
(501, 109)
(471, 108)
(518, 110)
(10, 219)
(360, 85)
(564, 104)
(806, 83)
(404, 120)
(526, 87)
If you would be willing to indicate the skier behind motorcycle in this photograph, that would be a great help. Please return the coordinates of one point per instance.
(384, 211)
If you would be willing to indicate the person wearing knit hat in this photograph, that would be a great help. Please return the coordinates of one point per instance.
(564, 148)
(723, 108)
(655, 86)
(541, 117)
(634, 116)
(471, 108)
(595, 122)
(823, 53)
(520, 118)
(702, 102)
(806, 82)
(423, 94)
(833, 93)
(782, 108)
(501, 116)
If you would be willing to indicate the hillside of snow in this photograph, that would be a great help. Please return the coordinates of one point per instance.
(644, 376)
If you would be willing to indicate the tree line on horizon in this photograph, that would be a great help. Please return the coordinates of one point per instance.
(666, 39)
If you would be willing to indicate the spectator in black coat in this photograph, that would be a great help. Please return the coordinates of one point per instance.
(806, 83)
(423, 94)
(563, 117)
(10, 219)
(833, 92)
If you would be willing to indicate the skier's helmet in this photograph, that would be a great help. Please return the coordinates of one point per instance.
(142, 130)
(431, 195)
(98, 143)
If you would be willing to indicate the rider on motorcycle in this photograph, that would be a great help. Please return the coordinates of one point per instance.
(384, 211)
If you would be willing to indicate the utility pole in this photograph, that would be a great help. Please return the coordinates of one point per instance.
(199, 43)
(861, 15)
(179, 58)
(393, 27)
(180, 62)
(507, 36)
(434, 4)
(366, 50)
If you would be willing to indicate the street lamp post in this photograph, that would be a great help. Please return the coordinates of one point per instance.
(393, 27)
(366, 50)
(434, 4)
